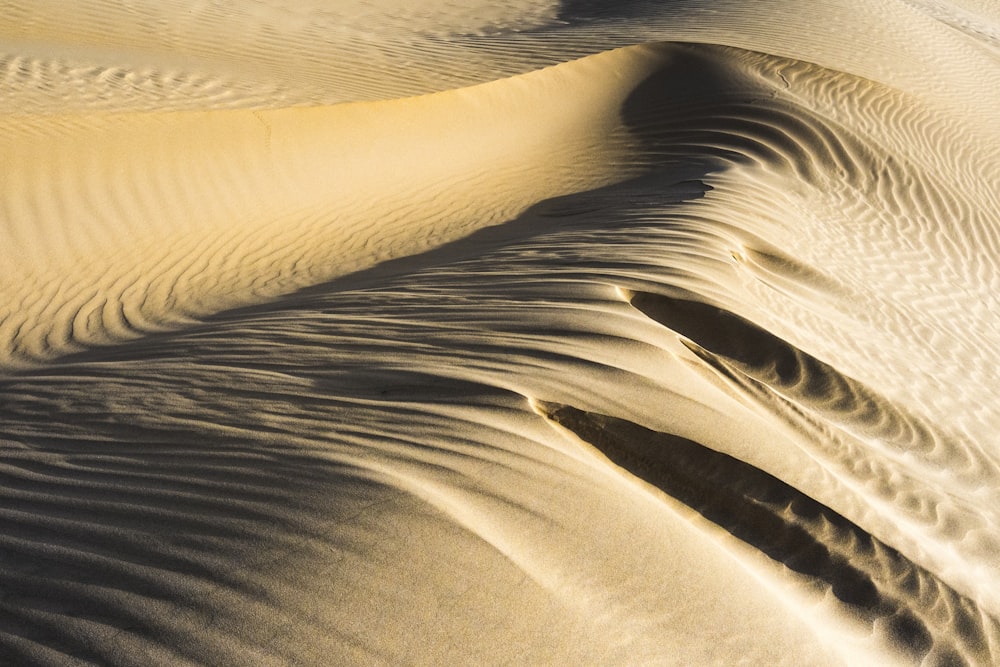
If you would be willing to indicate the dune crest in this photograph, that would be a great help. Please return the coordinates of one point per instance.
(590, 332)
(162, 217)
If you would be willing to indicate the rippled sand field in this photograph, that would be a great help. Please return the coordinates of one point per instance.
(447, 332)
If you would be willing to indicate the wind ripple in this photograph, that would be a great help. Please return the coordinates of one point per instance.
(679, 352)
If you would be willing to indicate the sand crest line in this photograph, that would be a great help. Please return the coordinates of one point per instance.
(674, 353)
(175, 201)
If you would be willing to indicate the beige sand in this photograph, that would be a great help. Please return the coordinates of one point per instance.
(444, 333)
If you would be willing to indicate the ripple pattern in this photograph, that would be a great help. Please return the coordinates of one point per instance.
(567, 332)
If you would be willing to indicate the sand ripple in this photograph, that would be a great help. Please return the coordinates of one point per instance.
(549, 333)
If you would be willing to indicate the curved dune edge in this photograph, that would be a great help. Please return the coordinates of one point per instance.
(719, 388)
(117, 224)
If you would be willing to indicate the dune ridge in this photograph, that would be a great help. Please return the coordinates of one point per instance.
(181, 194)
(551, 333)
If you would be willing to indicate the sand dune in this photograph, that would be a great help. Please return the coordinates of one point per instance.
(550, 333)
(159, 217)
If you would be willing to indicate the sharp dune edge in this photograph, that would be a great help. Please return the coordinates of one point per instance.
(552, 333)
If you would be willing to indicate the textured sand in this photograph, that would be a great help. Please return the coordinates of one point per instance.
(552, 333)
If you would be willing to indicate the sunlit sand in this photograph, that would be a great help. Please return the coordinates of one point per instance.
(577, 333)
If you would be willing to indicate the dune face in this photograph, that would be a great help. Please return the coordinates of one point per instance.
(598, 333)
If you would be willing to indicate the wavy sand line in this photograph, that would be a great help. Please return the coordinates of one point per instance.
(902, 236)
(175, 201)
(892, 455)
(356, 472)
(911, 608)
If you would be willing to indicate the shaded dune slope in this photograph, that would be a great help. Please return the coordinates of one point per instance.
(281, 384)
(918, 614)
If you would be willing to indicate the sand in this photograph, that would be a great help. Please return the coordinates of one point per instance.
(447, 333)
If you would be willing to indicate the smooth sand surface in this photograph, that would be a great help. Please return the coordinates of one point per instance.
(447, 333)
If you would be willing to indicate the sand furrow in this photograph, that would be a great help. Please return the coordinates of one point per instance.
(859, 434)
(282, 282)
(904, 604)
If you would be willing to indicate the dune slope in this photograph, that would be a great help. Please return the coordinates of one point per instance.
(557, 333)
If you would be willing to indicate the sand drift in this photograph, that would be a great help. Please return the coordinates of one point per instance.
(572, 332)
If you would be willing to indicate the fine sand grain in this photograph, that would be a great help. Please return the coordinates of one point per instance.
(589, 332)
